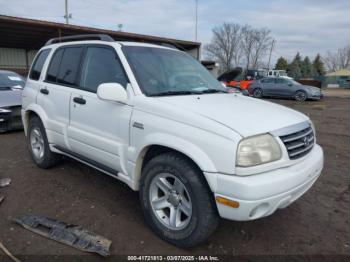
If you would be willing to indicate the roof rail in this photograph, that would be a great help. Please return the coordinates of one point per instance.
(101, 37)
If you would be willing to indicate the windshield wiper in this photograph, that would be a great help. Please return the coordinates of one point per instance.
(212, 91)
(174, 93)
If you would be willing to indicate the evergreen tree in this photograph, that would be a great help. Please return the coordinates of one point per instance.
(294, 68)
(307, 70)
(318, 66)
(281, 64)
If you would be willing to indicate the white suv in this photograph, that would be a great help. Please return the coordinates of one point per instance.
(154, 118)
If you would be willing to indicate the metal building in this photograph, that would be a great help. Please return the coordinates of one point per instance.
(20, 39)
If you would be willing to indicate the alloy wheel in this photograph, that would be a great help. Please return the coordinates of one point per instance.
(37, 143)
(170, 201)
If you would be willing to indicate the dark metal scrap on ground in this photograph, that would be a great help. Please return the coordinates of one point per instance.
(72, 235)
(5, 182)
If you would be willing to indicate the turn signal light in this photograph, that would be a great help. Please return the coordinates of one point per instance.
(227, 202)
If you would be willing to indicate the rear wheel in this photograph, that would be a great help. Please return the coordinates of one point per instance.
(39, 146)
(176, 201)
(258, 93)
(300, 95)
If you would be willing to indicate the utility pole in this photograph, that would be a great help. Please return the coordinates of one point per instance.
(272, 45)
(196, 35)
(67, 16)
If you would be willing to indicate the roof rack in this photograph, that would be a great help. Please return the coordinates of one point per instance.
(101, 37)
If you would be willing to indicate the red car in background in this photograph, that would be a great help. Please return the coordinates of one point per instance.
(241, 78)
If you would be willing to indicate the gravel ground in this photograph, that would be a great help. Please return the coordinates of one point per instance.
(318, 223)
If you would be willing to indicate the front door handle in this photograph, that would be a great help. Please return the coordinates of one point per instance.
(44, 91)
(79, 100)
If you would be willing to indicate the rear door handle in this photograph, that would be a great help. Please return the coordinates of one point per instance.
(79, 100)
(44, 91)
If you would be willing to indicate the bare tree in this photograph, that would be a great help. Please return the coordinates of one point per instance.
(225, 45)
(338, 60)
(248, 40)
(262, 43)
(255, 43)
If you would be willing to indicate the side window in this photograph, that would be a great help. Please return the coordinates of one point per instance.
(267, 80)
(38, 64)
(54, 66)
(69, 67)
(280, 81)
(101, 65)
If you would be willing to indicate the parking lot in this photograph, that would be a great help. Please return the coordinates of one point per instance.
(319, 223)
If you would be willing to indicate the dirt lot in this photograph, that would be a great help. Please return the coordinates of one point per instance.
(319, 223)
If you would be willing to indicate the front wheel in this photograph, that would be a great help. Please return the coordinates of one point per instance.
(176, 200)
(300, 96)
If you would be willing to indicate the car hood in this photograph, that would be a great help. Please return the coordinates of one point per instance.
(245, 115)
(10, 98)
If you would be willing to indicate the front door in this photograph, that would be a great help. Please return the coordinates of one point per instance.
(267, 86)
(99, 129)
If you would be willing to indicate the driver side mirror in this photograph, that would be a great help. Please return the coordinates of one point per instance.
(290, 84)
(112, 92)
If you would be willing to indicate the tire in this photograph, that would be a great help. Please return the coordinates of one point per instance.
(300, 96)
(258, 93)
(38, 145)
(192, 225)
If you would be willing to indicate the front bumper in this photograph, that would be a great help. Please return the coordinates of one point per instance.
(262, 194)
(10, 119)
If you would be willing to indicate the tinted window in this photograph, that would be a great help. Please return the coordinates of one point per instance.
(280, 81)
(69, 67)
(267, 80)
(38, 64)
(52, 72)
(101, 65)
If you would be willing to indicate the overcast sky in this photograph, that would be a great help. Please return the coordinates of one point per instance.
(308, 26)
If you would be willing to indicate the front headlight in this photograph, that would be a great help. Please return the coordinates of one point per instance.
(258, 150)
(313, 128)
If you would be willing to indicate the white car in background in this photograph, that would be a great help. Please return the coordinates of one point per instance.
(278, 73)
(156, 119)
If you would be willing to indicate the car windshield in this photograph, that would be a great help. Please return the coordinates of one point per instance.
(10, 80)
(161, 71)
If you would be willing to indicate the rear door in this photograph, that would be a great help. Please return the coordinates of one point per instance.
(267, 86)
(55, 93)
(282, 88)
(98, 129)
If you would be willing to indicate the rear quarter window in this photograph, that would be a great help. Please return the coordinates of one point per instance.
(38, 64)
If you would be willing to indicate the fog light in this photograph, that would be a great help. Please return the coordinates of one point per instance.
(227, 202)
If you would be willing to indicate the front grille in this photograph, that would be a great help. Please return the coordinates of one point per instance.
(300, 143)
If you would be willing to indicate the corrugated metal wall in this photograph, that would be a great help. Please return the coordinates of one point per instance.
(31, 55)
(15, 58)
